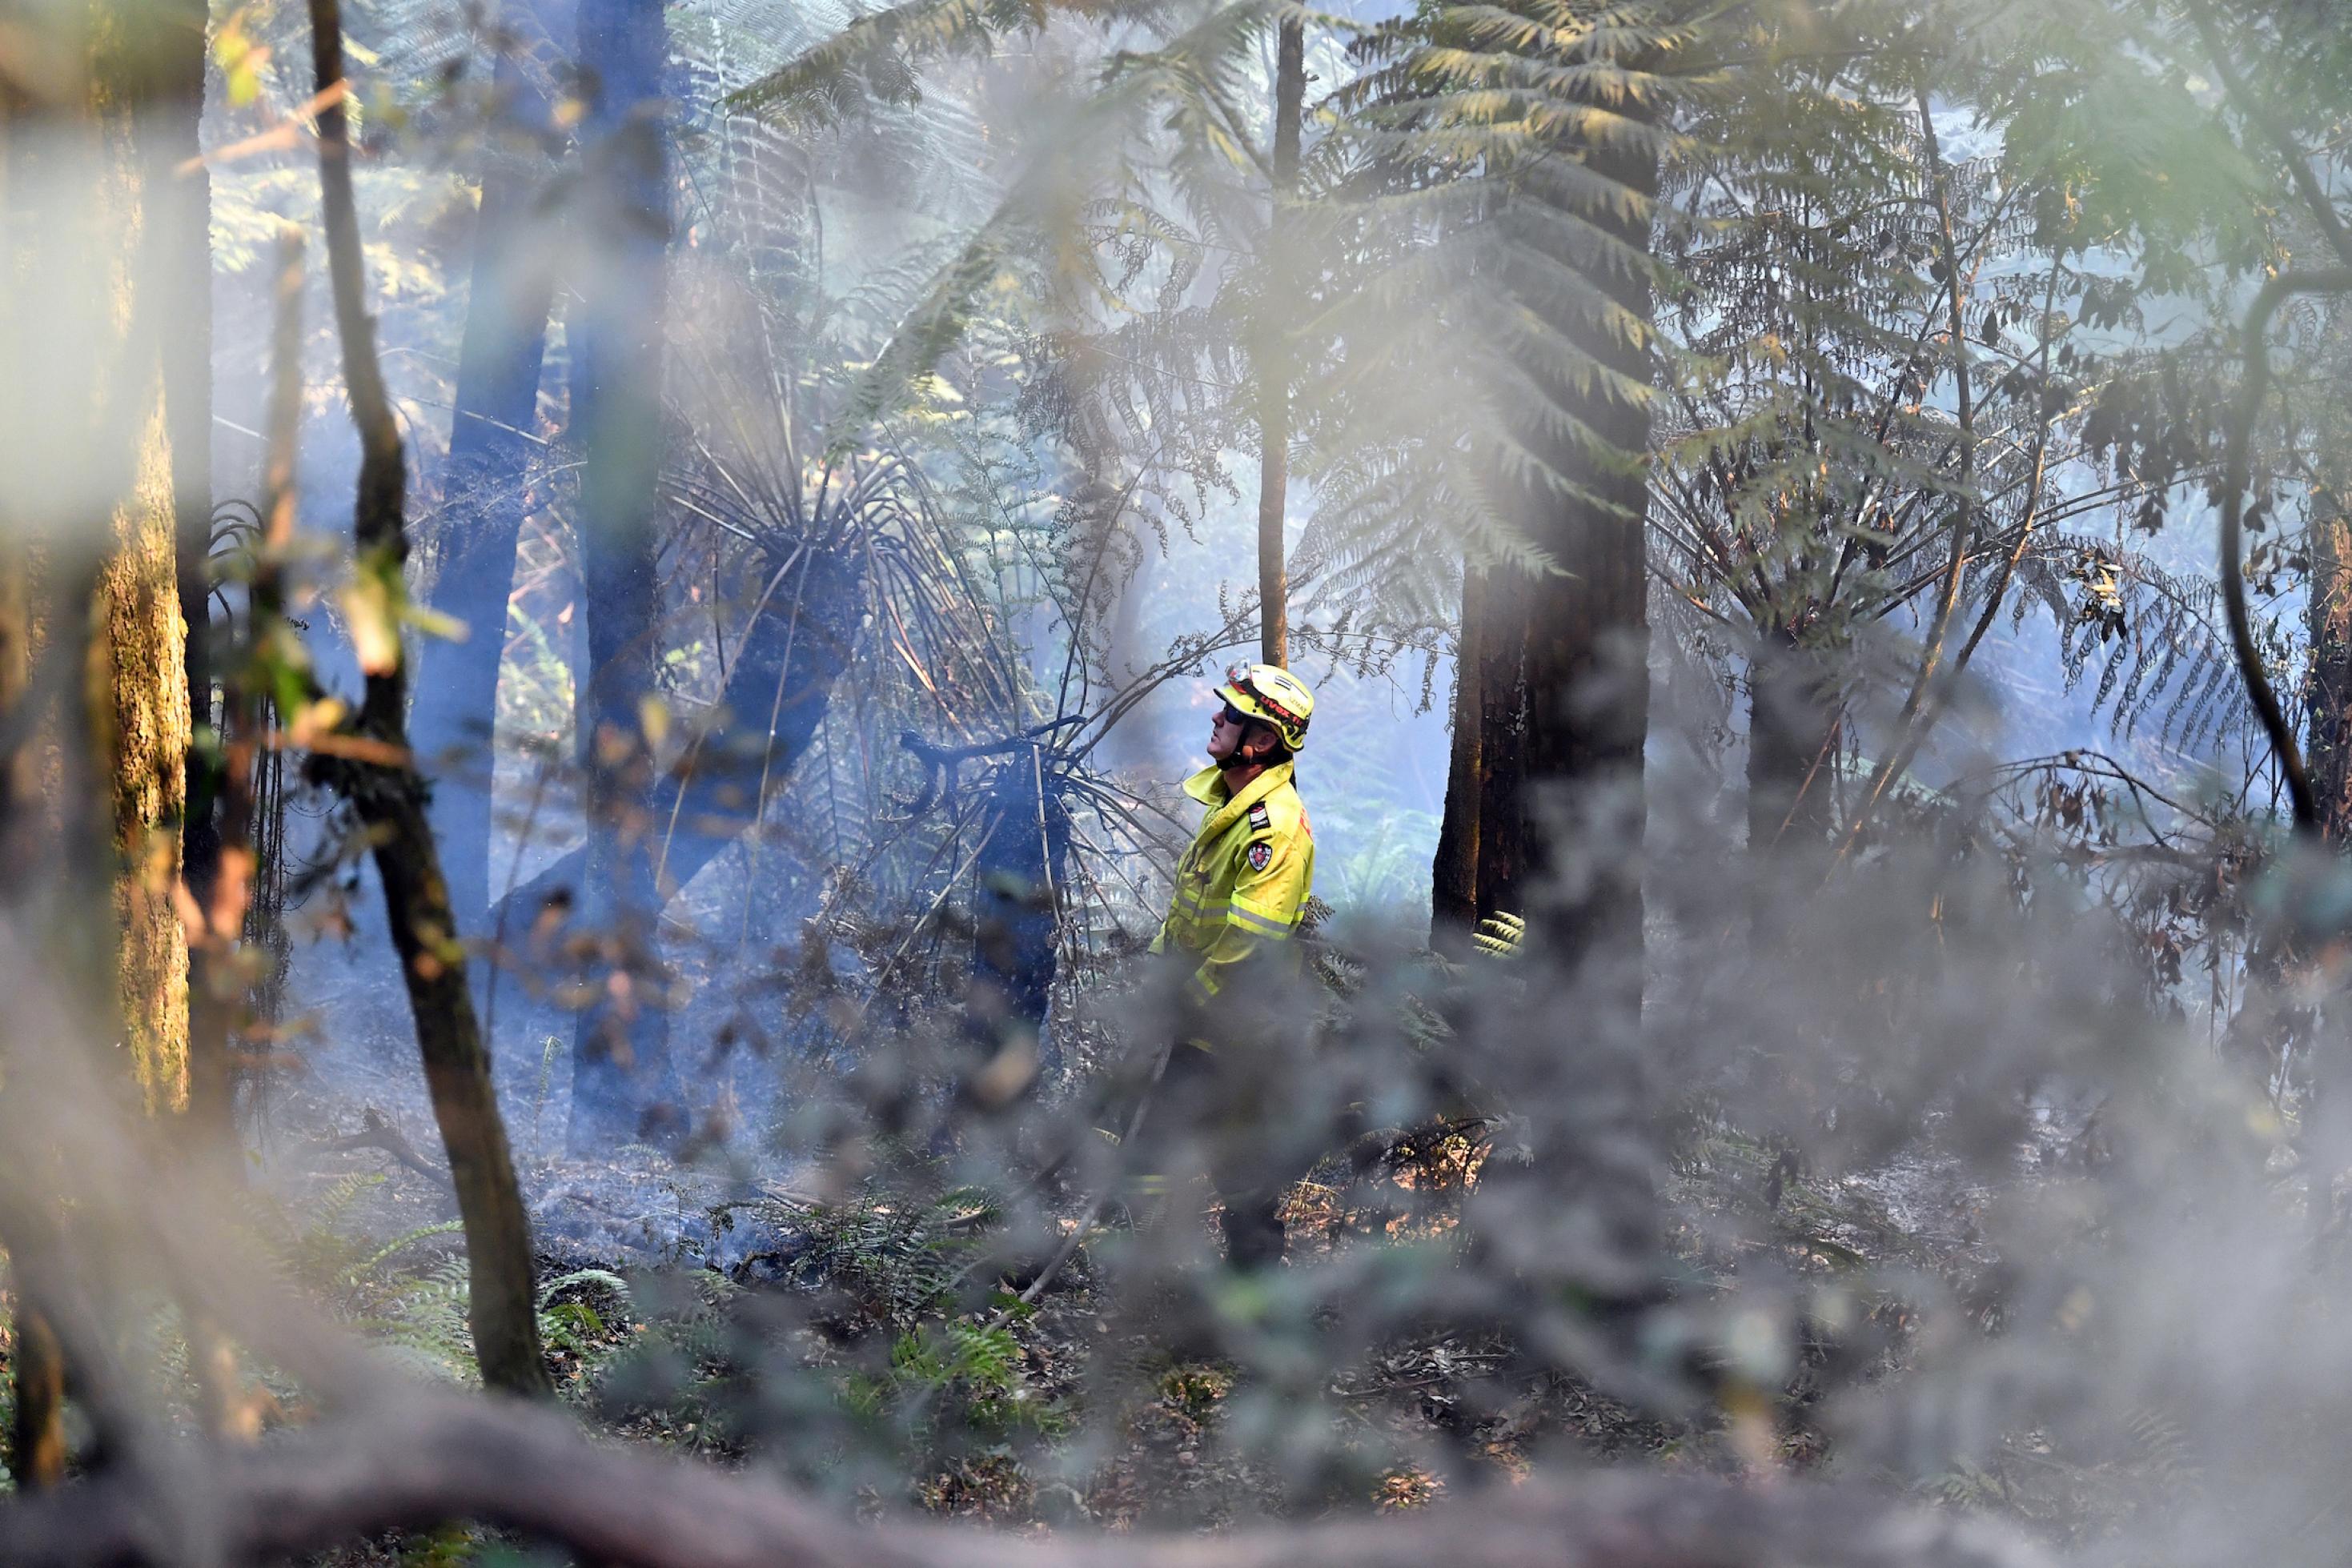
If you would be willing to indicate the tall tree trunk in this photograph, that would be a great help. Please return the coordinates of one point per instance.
(1274, 352)
(1587, 1098)
(90, 831)
(453, 718)
(1453, 870)
(382, 781)
(138, 681)
(623, 1085)
(1793, 730)
(1587, 624)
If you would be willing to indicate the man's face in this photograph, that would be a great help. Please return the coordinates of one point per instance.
(1228, 736)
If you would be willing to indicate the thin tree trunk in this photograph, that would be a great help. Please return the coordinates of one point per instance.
(1274, 353)
(623, 1085)
(453, 718)
(2330, 699)
(1929, 686)
(224, 1405)
(384, 786)
(212, 866)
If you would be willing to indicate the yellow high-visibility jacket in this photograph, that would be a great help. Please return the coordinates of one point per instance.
(1241, 887)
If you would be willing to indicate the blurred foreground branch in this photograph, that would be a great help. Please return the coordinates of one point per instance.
(434, 1458)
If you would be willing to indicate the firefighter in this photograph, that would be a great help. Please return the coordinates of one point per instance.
(1241, 892)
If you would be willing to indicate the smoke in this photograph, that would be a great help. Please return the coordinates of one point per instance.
(1928, 1173)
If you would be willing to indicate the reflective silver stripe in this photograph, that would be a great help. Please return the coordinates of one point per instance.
(1261, 909)
(1251, 920)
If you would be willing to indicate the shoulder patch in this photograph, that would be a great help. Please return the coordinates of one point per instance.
(1260, 819)
(1260, 856)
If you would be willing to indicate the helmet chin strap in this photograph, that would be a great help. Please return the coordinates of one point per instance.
(1241, 758)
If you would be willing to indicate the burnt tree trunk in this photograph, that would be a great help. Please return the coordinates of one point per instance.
(1479, 869)
(766, 717)
(454, 717)
(1503, 719)
(1016, 915)
(1588, 625)
(1793, 732)
(624, 1086)
(380, 779)
(1584, 208)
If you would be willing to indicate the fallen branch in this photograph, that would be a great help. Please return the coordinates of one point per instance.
(430, 1458)
(377, 1134)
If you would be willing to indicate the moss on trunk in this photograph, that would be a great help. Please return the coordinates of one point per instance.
(139, 709)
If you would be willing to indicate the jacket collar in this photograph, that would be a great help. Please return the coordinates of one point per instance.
(1208, 787)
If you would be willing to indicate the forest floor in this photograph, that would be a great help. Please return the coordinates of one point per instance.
(353, 1160)
(695, 1248)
